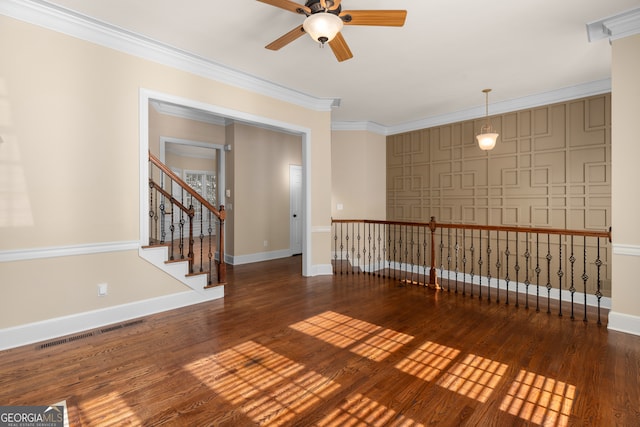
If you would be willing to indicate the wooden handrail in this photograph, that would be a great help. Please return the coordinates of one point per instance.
(220, 214)
(173, 200)
(190, 211)
(532, 230)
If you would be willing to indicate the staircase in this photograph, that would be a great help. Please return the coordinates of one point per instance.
(175, 210)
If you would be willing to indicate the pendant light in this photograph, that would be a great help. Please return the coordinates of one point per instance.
(487, 137)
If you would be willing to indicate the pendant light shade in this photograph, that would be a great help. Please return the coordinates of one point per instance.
(322, 26)
(487, 137)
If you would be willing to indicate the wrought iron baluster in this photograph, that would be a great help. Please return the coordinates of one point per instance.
(464, 261)
(537, 270)
(498, 265)
(455, 251)
(598, 283)
(448, 260)
(516, 268)
(560, 274)
(480, 266)
(369, 266)
(527, 256)
(441, 253)
(585, 277)
(572, 289)
(488, 265)
(424, 251)
(342, 248)
(548, 257)
(210, 249)
(201, 239)
(506, 277)
(472, 251)
(358, 253)
(353, 248)
(413, 246)
(335, 247)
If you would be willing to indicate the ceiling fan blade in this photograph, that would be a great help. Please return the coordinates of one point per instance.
(288, 5)
(387, 18)
(340, 48)
(323, 3)
(286, 39)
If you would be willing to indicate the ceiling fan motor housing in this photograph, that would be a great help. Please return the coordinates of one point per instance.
(316, 7)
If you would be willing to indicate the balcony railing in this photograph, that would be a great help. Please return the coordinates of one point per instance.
(535, 267)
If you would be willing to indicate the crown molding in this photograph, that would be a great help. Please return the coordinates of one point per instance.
(615, 27)
(545, 98)
(47, 15)
(358, 126)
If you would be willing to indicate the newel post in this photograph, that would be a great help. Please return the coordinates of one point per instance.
(433, 277)
(222, 267)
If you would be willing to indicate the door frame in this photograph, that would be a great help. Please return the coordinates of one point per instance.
(147, 95)
(293, 223)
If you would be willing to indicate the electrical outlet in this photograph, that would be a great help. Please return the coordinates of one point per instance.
(103, 289)
(266, 243)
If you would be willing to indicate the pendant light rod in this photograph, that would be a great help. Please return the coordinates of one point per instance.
(487, 137)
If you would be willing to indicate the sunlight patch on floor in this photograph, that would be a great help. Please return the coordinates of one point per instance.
(268, 387)
(110, 409)
(344, 331)
(428, 360)
(541, 400)
(474, 377)
(358, 410)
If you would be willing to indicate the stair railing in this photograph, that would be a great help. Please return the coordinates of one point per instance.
(501, 263)
(168, 196)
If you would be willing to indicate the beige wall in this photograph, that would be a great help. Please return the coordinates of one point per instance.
(70, 166)
(625, 179)
(358, 160)
(260, 197)
(164, 125)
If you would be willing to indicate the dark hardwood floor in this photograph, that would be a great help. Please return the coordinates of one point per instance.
(281, 349)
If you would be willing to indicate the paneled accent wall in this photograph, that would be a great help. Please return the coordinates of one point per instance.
(551, 168)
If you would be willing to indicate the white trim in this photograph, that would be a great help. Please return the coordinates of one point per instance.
(322, 270)
(321, 229)
(53, 328)
(615, 27)
(597, 87)
(624, 323)
(63, 251)
(631, 250)
(146, 96)
(259, 256)
(56, 18)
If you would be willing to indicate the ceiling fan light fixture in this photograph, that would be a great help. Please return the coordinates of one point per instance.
(322, 26)
(487, 137)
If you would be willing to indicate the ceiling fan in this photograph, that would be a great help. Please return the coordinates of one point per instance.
(324, 20)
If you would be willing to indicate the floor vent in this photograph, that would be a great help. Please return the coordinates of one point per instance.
(88, 334)
(110, 328)
(53, 343)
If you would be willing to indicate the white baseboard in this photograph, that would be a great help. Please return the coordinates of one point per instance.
(322, 270)
(624, 323)
(53, 328)
(258, 257)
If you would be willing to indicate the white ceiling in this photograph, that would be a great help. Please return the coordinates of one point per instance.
(437, 64)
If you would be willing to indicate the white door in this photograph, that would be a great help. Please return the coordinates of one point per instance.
(295, 208)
